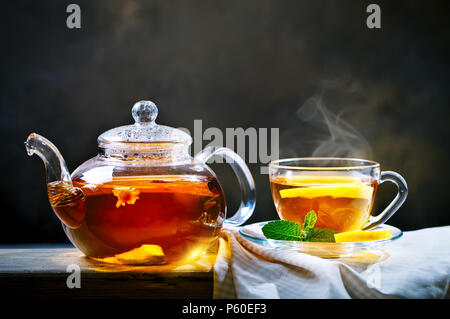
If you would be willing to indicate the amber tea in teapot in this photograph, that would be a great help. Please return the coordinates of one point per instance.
(177, 213)
(142, 199)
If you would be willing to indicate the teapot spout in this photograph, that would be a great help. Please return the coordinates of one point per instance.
(68, 202)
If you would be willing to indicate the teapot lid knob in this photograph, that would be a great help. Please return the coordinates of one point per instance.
(145, 133)
(144, 112)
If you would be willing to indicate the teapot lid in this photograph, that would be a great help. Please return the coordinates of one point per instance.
(144, 130)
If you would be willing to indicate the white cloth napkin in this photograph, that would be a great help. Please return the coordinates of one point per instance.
(415, 266)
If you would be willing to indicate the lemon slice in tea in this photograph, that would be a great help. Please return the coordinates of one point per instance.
(335, 191)
(361, 235)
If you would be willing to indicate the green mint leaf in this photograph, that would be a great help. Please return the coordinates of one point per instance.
(310, 221)
(286, 230)
(283, 230)
(321, 235)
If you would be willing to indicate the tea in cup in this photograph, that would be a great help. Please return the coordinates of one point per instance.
(341, 191)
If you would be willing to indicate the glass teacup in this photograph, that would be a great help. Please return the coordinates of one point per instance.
(340, 190)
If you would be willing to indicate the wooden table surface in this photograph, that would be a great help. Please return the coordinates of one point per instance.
(42, 272)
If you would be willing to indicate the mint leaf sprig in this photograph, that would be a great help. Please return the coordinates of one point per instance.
(286, 230)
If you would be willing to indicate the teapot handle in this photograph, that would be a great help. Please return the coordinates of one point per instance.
(245, 179)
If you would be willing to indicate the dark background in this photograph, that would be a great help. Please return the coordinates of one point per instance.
(310, 68)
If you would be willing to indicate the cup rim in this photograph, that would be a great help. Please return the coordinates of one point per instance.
(363, 163)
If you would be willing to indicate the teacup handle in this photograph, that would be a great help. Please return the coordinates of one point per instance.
(402, 193)
(245, 179)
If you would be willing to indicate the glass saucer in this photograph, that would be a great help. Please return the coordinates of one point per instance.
(254, 233)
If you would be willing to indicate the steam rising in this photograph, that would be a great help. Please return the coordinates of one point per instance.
(340, 138)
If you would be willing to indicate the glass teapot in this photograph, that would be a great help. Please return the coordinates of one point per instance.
(143, 199)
